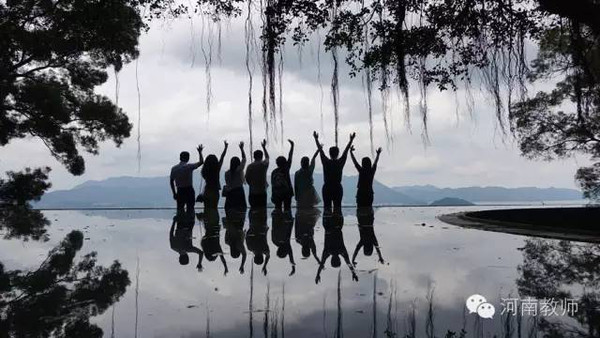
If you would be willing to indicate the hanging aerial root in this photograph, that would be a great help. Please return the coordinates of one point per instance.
(249, 35)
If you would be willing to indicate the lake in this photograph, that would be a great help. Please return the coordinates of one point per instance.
(429, 271)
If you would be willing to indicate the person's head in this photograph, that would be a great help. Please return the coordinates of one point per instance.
(234, 163)
(334, 152)
(184, 259)
(184, 156)
(281, 252)
(366, 162)
(304, 162)
(305, 251)
(235, 252)
(335, 261)
(258, 259)
(368, 249)
(210, 165)
(258, 155)
(281, 162)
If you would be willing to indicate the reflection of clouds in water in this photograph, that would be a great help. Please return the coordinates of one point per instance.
(173, 298)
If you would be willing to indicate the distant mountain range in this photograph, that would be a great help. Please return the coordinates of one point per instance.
(154, 192)
(429, 193)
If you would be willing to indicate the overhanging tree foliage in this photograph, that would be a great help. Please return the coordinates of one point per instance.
(447, 45)
(54, 53)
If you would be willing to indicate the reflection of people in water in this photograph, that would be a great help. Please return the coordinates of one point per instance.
(306, 219)
(334, 245)
(281, 235)
(368, 240)
(210, 242)
(234, 234)
(180, 238)
(306, 194)
(366, 174)
(256, 237)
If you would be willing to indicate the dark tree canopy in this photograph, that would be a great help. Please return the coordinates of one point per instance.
(58, 298)
(558, 270)
(54, 53)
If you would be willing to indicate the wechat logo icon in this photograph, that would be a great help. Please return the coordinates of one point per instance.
(478, 304)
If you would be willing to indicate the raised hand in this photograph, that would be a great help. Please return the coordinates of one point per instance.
(263, 143)
(242, 145)
(291, 142)
(352, 136)
(200, 148)
(378, 150)
(315, 135)
(226, 144)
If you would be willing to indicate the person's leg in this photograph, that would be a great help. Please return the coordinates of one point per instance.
(190, 200)
(337, 198)
(326, 198)
(262, 200)
(179, 200)
(287, 203)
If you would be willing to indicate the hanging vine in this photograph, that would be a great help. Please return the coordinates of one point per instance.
(249, 38)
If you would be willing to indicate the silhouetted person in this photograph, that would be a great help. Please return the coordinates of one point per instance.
(304, 231)
(256, 237)
(182, 178)
(304, 187)
(281, 184)
(332, 173)
(234, 234)
(281, 235)
(368, 240)
(211, 172)
(334, 245)
(235, 197)
(211, 241)
(180, 238)
(366, 174)
(256, 178)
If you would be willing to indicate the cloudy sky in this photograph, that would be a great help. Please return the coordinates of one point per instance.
(464, 150)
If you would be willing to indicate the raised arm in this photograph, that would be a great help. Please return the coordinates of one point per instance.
(376, 159)
(264, 148)
(358, 246)
(200, 157)
(223, 153)
(264, 268)
(319, 147)
(350, 266)
(312, 160)
(224, 264)
(291, 154)
(243, 164)
(345, 154)
(358, 167)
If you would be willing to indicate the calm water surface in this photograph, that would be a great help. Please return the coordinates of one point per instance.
(429, 269)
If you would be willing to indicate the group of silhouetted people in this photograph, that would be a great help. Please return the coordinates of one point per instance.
(282, 190)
